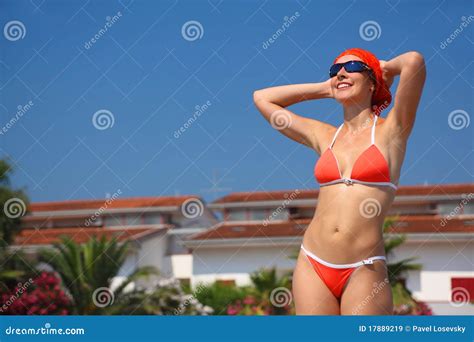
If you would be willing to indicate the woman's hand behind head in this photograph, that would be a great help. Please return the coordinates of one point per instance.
(386, 74)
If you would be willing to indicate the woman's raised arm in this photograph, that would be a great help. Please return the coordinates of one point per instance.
(411, 68)
(271, 102)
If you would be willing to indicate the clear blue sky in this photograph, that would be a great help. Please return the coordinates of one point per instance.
(151, 78)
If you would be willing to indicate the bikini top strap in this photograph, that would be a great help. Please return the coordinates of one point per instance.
(373, 130)
(335, 135)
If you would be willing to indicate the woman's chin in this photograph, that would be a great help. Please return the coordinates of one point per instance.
(344, 99)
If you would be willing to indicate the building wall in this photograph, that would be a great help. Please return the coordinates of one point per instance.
(181, 265)
(441, 261)
(211, 264)
(152, 253)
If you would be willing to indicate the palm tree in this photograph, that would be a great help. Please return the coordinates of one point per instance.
(403, 301)
(14, 266)
(86, 268)
(397, 269)
(274, 291)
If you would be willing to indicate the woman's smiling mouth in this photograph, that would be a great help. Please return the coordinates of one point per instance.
(343, 85)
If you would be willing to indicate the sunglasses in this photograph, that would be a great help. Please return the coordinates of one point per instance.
(350, 66)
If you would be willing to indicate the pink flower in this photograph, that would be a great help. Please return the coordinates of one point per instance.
(249, 300)
(232, 310)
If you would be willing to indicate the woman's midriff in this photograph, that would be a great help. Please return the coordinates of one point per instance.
(348, 222)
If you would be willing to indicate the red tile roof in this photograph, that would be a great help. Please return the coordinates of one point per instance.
(433, 224)
(30, 218)
(411, 224)
(228, 230)
(135, 202)
(28, 237)
(267, 196)
(407, 190)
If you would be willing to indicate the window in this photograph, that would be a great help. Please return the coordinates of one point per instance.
(301, 212)
(462, 290)
(277, 214)
(152, 218)
(258, 214)
(237, 215)
(469, 208)
(113, 220)
(133, 220)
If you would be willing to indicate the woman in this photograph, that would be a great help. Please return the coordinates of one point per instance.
(341, 268)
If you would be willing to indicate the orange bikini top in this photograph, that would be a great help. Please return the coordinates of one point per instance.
(370, 168)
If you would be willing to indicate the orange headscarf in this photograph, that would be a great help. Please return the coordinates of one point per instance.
(382, 97)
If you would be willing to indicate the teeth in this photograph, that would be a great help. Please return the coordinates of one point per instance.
(344, 85)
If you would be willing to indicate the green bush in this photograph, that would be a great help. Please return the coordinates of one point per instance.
(218, 296)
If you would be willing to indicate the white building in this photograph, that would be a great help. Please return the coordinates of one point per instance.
(154, 226)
